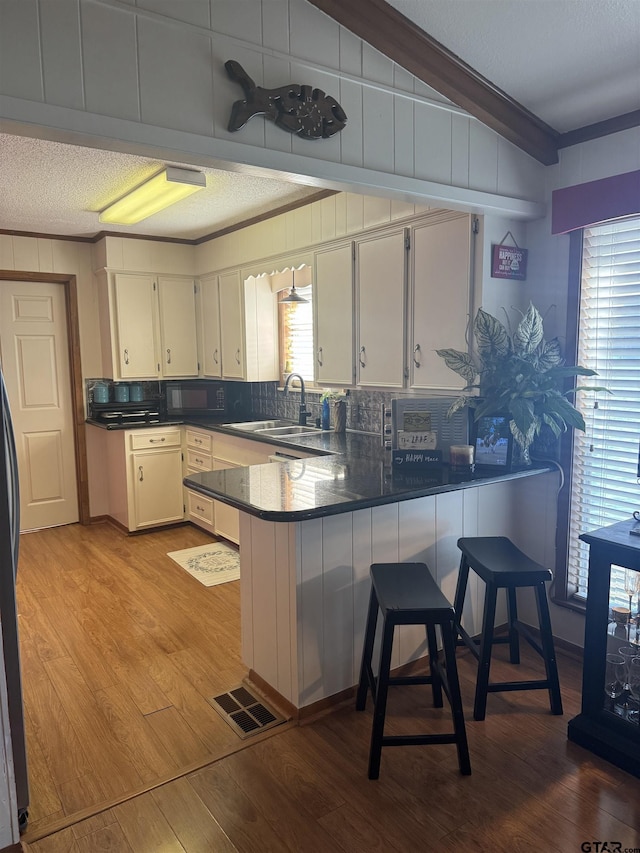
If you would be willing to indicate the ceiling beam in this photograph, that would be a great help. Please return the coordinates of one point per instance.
(398, 38)
(600, 128)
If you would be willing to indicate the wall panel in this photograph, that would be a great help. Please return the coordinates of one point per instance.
(110, 76)
(61, 59)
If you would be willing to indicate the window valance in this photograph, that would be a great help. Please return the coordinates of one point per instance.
(584, 205)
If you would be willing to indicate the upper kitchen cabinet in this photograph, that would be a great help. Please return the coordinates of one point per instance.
(133, 327)
(210, 326)
(333, 288)
(248, 328)
(440, 294)
(380, 298)
(177, 309)
(148, 326)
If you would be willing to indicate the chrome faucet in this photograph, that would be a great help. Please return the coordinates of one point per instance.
(303, 413)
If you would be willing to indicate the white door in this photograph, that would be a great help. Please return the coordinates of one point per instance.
(35, 362)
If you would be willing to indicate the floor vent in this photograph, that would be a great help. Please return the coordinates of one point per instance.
(244, 713)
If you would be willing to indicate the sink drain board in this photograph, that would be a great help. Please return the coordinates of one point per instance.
(246, 714)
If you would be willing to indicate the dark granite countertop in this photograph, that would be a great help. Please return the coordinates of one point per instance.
(357, 474)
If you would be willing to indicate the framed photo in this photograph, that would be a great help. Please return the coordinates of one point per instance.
(492, 441)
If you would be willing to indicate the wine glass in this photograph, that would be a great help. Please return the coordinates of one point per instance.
(614, 678)
(628, 653)
(634, 684)
(631, 587)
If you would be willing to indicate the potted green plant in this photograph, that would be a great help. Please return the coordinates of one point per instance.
(518, 374)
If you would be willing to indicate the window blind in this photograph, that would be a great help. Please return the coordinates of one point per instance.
(296, 335)
(604, 486)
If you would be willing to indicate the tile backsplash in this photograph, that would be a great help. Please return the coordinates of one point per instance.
(364, 408)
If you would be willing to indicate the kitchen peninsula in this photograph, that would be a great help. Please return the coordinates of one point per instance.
(310, 528)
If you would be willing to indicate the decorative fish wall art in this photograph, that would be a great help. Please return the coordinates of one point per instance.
(307, 112)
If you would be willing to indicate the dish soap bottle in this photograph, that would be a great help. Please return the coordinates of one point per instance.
(326, 415)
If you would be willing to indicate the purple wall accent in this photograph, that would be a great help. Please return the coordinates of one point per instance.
(597, 201)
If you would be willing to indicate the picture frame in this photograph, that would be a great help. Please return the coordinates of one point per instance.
(492, 442)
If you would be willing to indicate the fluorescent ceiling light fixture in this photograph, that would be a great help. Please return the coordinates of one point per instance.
(160, 191)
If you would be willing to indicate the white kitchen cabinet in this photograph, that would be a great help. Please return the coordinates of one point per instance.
(211, 355)
(178, 337)
(248, 328)
(145, 477)
(226, 518)
(199, 509)
(148, 326)
(380, 298)
(134, 313)
(333, 290)
(440, 294)
(230, 451)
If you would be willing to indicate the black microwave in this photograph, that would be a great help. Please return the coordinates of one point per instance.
(195, 398)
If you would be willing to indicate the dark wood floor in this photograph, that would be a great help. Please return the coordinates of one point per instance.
(303, 788)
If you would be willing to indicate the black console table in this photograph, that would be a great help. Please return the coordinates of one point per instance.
(598, 727)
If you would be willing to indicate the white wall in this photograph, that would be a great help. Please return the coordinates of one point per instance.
(547, 281)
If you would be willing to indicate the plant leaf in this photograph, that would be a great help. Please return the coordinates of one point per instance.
(564, 371)
(550, 355)
(523, 414)
(458, 403)
(529, 333)
(460, 362)
(555, 428)
(491, 336)
(560, 406)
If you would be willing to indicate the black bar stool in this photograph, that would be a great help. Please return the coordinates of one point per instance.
(407, 594)
(503, 566)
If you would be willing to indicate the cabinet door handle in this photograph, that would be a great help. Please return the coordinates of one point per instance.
(362, 353)
(199, 461)
(156, 440)
(168, 356)
(126, 356)
(416, 350)
(238, 355)
(197, 441)
(320, 356)
(140, 473)
(215, 356)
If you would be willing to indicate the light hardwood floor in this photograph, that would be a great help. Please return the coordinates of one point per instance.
(301, 788)
(121, 648)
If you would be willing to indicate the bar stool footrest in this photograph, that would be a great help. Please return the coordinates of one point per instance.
(418, 740)
(499, 686)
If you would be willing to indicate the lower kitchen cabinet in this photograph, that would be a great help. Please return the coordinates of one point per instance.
(145, 477)
(226, 519)
(198, 509)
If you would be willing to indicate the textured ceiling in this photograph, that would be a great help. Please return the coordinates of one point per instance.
(54, 188)
(570, 62)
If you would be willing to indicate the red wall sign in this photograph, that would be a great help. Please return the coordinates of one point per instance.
(509, 262)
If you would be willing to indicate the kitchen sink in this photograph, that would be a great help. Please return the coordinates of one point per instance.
(254, 426)
(283, 431)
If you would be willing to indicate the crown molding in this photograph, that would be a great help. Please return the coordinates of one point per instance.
(95, 238)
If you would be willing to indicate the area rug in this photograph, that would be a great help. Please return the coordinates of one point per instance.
(210, 564)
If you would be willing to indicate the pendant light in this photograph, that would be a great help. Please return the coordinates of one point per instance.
(294, 295)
